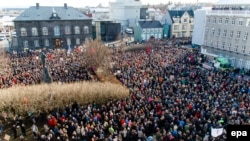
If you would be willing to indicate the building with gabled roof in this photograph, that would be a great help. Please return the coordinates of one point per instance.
(144, 30)
(181, 22)
(51, 27)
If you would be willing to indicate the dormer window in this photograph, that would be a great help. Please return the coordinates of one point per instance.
(54, 15)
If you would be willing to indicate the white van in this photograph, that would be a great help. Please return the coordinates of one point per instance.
(129, 30)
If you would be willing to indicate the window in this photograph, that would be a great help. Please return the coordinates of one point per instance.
(207, 31)
(191, 27)
(214, 20)
(46, 42)
(185, 20)
(224, 33)
(148, 30)
(68, 41)
(231, 34)
(237, 34)
(34, 31)
(212, 33)
(86, 29)
(152, 30)
(67, 29)
(236, 47)
(243, 49)
(184, 27)
(218, 32)
(184, 34)
(77, 30)
(240, 22)
(220, 20)
(56, 30)
(217, 44)
(23, 31)
(245, 35)
(25, 44)
(36, 43)
(78, 41)
(223, 45)
(45, 31)
(176, 27)
(229, 46)
(226, 20)
(208, 19)
(233, 21)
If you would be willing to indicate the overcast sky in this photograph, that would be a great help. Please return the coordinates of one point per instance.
(80, 3)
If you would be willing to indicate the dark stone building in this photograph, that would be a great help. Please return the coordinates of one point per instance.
(51, 27)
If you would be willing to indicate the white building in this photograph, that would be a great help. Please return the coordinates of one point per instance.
(199, 26)
(125, 12)
(99, 13)
(227, 30)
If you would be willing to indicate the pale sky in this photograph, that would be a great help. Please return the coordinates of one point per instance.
(81, 3)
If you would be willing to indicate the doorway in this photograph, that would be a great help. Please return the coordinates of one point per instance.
(58, 43)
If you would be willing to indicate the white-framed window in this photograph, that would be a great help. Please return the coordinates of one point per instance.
(78, 41)
(226, 20)
(238, 34)
(36, 43)
(218, 32)
(185, 20)
(68, 41)
(233, 21)
(229, 46)
(77, 30)
(236, 48)
(23, 31)
(46, 42)
(217, 44)
(184, 34)
(86, 29)
(45, 31)
(152, 30)
(34, 31)
(243, 49)
(220, 20)
(184, 27)
(56, 31)
(212, 33)
(25, 44)
(245, 35)
(248, 64)
(176, 27)
(224, 33)
(231, 34)
(191, 27)
(148, 30)
(67, 29)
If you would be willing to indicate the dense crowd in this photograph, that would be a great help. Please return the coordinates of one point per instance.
(171, 99)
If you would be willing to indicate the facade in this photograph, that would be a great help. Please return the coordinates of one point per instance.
(126, 12)
(106, 30)
(146, 29)
(227, 32)
(199, 26)
(181, 22)
(51, 27)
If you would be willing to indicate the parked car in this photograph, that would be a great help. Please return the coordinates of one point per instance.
(2, 37)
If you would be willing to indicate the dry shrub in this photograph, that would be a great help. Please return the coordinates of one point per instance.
(45, 97)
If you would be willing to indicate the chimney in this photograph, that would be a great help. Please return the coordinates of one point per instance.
(37, 5)
(65, 6)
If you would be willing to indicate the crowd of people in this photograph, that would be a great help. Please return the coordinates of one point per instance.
(171, 98)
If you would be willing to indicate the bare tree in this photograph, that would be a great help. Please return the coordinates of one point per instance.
(97, 55)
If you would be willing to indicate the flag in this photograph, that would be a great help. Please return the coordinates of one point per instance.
(216, 132)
